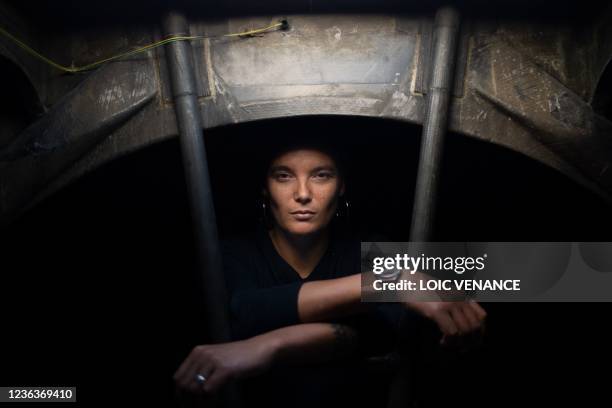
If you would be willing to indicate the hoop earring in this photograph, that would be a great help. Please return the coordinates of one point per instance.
(345, 211)
(265, 216)
(347, 206)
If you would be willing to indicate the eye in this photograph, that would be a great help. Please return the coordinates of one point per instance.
(323, 175)
(282, 176)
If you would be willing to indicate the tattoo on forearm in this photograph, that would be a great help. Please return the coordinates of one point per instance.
(345, 338)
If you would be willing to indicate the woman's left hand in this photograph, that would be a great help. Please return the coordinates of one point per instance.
(219, 363)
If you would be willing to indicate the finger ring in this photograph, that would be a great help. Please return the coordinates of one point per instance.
(200, 378)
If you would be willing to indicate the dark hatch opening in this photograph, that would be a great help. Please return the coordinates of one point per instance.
(99, 275)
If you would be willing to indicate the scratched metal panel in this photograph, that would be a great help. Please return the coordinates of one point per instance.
(527, 87)
(330, 56)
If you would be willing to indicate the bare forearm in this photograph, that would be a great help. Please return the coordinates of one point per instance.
(321, 301)
(309, 342)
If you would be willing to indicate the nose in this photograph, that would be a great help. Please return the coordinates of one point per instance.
(302, 194)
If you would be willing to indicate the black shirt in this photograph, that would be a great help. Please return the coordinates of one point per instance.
(263, 290)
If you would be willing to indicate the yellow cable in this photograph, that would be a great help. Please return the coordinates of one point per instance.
(73, 69)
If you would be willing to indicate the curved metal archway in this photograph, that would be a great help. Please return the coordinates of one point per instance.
(520, 85)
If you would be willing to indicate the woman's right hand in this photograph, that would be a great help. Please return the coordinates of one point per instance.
(457, 321)
(219, 363)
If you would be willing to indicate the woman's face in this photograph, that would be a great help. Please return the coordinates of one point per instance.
(303, 187)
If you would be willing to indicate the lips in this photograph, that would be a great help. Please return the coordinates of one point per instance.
(303, 215)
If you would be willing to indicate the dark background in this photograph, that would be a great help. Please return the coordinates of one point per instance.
(98, 288)
(68, 14)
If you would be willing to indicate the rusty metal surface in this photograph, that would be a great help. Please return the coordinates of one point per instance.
(83, 118)
(524, 85)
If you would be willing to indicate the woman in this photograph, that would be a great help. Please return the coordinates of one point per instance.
(301, 330)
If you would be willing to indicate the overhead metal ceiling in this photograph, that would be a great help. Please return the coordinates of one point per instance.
(526, 84)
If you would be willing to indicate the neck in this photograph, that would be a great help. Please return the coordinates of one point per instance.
(302, 252)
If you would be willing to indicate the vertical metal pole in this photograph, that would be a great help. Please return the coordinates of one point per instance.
(445, 39)
(179, 56)
(180, 63)
(446, 30)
